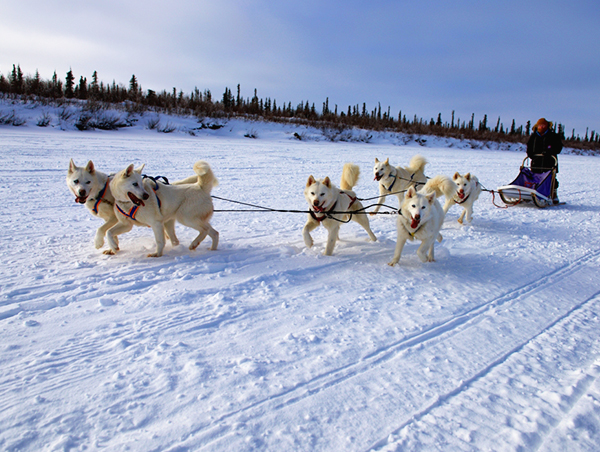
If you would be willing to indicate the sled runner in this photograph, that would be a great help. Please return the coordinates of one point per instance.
(530, 186)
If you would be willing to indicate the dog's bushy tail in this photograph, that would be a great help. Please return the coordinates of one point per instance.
(441, 185)
(350, 175)
(417, 165)
(206, 178)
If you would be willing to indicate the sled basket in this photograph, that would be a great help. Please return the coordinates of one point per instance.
(530, 186)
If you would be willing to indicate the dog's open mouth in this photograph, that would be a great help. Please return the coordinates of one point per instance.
(81, 199)
(318, 208)
(414, 222)
(461, 195)
(378, 177)
(134, 199)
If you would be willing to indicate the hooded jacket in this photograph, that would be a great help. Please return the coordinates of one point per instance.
(541, 149)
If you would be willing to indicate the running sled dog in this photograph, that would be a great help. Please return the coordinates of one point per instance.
(324, 199)
(421, 217)
(145, 202)
(396, 180)
(91, 187)
(463, 190)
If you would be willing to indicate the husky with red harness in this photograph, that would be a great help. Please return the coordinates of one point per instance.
(146, 202)
(91, 187)
(332, 206)
(462, 190)
(420, 218)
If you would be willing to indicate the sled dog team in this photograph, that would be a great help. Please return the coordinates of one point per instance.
(127, 199)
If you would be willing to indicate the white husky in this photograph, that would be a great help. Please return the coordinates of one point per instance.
(91, 188)
(468, 191)
(145, 202)
(395, 180)
(462, 190)
(421, 217)
(442, 186)
(324, 199)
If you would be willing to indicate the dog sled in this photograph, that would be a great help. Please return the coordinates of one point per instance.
(531, 186)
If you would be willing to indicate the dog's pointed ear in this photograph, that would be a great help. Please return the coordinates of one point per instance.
(387, 161)
(72, 166)
(327, 182)
(468, 177)
(431, 197)
(376, 160)
(310, 181)
(140, 169)
(411, 192)
(456, 176)
(128, 171)
(90, 167)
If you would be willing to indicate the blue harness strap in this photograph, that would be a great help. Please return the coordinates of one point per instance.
(392, 184)
(133, 211)
(156, 186)
(100, 196)
(130, 214)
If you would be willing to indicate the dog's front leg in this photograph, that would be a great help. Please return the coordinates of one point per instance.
(112, 233)
(159, 236)
(101, 232)
(308, 227)
(469, 212)
(425, 251)
(449, 202)
(332, 237)
(400, 242)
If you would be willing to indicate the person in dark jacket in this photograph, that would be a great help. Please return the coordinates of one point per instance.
(542, 148)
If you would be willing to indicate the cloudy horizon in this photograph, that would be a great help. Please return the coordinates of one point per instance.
(508, 60)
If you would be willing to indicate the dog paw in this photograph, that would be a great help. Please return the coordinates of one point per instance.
(109, 252)
(391, 264)
(460, 221)
(99, 243)
(154, 255)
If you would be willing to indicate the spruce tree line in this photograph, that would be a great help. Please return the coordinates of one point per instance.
(202, 104)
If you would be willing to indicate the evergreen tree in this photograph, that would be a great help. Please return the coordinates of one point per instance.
(134, 88)
(82, 91)
(69, 92)
(94, 89)
(36, 84)
(483, 124)
(16, 80)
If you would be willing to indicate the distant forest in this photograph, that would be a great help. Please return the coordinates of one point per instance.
(204, 104)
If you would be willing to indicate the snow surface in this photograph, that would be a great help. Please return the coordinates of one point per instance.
(267, 345)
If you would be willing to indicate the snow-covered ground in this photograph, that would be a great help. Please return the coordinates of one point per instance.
(267, 345)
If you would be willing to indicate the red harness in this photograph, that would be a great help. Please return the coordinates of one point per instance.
(328, 213)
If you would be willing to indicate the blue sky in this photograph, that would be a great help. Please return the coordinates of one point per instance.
(513, 59)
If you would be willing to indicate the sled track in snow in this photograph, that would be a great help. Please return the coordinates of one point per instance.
(436, 333)
(466, 384)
